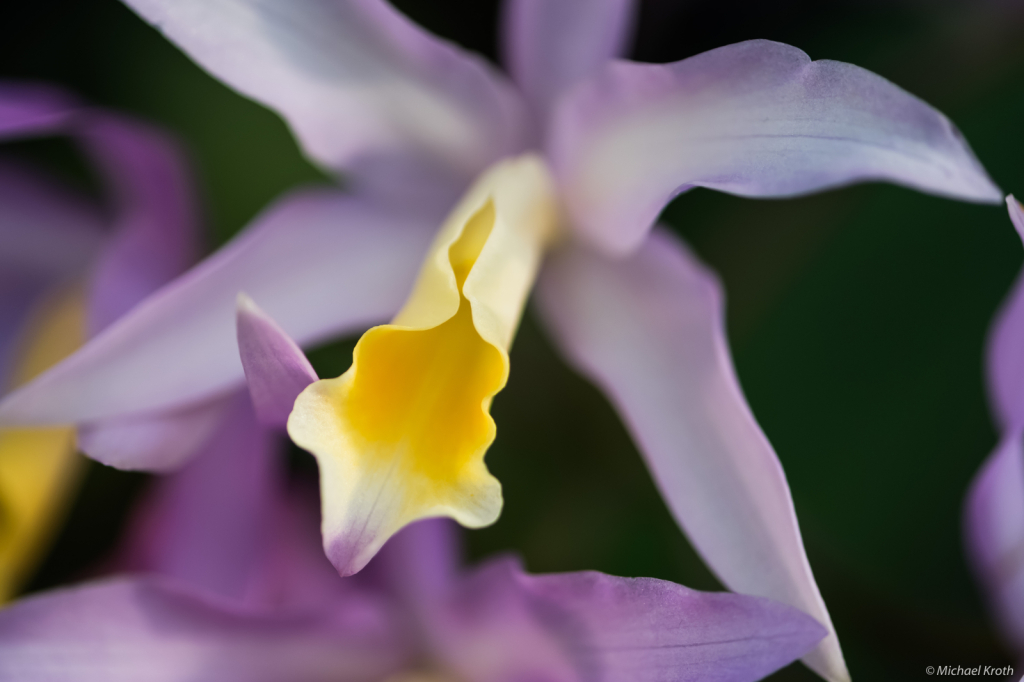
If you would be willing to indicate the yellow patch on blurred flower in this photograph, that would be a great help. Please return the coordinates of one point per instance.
(39, 465)
(402, 434)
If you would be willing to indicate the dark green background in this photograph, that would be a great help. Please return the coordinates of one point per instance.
(857, 317)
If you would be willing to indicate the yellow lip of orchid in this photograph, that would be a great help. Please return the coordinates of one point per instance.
(402, 434)
(37, 466)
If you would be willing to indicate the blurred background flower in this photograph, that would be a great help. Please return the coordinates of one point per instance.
(857, 317)
(70, 267)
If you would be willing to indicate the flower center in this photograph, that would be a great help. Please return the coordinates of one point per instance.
(402, 434)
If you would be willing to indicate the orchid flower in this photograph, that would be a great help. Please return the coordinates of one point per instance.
(573, 159)
(239, 589)
(68, 270)
(994, 511)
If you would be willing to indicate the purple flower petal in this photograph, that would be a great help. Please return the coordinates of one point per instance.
(365, 90)
(155, 236)
(276, 369)
(755, 119)
(1005, 357)
(128, 630)
(207, 525)
(161, 441)
(591, 626)
(47, 231)
(319, 262)
(34, 108)
(994, 529)
(418, 566)
(649, 330)
(551, 46)
(49, 237)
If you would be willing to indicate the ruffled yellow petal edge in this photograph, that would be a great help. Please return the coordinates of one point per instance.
(39, 466)
(402, 434)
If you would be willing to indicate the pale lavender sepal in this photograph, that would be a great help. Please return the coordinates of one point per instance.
(994, 533)
(754, 119)
(276, 369)
(592, 626)
(319, 262)
(551, 46)
(28, 109)
(127, 630)
(649, 330)
(365, 90)
(155, 231)
(1005, 357)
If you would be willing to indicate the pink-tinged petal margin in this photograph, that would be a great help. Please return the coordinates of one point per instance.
(649, 330)
(127, 630)
(365, 90)
(994, 533)
(756, 119)
(1005, 357)
(276, 369)
(321, 263)
(552, 46)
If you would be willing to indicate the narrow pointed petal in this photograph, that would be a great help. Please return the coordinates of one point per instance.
(364, 89)
(155, 236)
(38, 467)
(158, 442)
(127, 630)
(649, 330)
(552, 46)
(33, 108)
(756, 119)
(321, 263)
(1005, 357)
(276, 369)
(589, 626)
(402, 434)
(994, 529)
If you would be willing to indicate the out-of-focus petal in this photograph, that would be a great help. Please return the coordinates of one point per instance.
(49, 237)
(129, 630)
(1005, 357)
(159, 441)
(46, 230)
(37, 466)
(276, 369)
(418, 566)
(588, 626)
(994, 530)
(551, 46)
(207, 524)
(402, 434)
(755, 119)
(319, 262)
(33, 109)
(364, 88)
(649, 330)
(155, 231)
